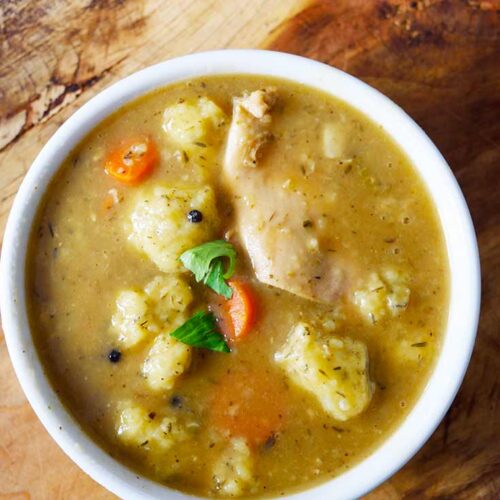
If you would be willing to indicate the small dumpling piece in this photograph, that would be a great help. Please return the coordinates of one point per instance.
(160, 306)
(138, 427)
(334, 140)
(160, 226)
(398, 292)
(334, 370)
(232, 473)
(169, 296)
(384, 295)
(131, 320)
(194, 124)
(166, 361)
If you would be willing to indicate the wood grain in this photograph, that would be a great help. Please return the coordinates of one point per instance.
(438, 59)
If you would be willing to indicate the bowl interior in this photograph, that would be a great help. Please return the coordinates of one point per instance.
(442, 186)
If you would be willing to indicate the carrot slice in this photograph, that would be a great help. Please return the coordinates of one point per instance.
(132, 161)
(249, 404)
(240, 311)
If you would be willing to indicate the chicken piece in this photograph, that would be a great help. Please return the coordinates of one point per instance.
(274, 223)
(250, 128)
(334, 370)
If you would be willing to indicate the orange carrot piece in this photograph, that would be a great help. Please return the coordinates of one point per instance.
(248, 404)
(240, 310)
(132, 161)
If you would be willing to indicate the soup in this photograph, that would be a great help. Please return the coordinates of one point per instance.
(238, 286)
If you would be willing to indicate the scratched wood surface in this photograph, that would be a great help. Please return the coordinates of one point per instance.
(438, 59)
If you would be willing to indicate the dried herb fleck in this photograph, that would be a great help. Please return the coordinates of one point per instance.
(269, 442)
(419, 344)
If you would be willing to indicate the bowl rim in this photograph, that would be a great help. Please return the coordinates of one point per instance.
(442, 186)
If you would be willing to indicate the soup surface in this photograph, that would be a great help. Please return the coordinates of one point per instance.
(332, 316)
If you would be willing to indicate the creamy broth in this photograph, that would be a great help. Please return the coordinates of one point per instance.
(368, 211)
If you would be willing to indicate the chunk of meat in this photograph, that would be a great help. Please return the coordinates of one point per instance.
(334, 370)
(250, 128)
(274, 224)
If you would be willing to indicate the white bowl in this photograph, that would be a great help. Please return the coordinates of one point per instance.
(454, 215)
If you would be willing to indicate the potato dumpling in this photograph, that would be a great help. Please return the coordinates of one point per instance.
(138, 427)
(160, 225)
(334, 370)
(160, 306)
(232, 473)
(167, 359)
(382, 295)
(398, 293)
(131, 320)
(169, 296)
(334, 141)
(194, 123)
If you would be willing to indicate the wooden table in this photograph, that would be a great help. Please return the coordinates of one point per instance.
(438, 59)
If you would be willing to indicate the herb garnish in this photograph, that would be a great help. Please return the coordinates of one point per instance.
(419, 344)
(205, 262)
(215, 280)
(201, 331)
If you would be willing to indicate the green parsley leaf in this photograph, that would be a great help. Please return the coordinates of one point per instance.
(205, 262)
(201, 331)
(215, 280)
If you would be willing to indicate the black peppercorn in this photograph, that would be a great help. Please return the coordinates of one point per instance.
(114, 356)
(176, 401)
(195, 216)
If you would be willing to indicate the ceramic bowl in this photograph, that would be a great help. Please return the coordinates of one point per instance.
(455, 219)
